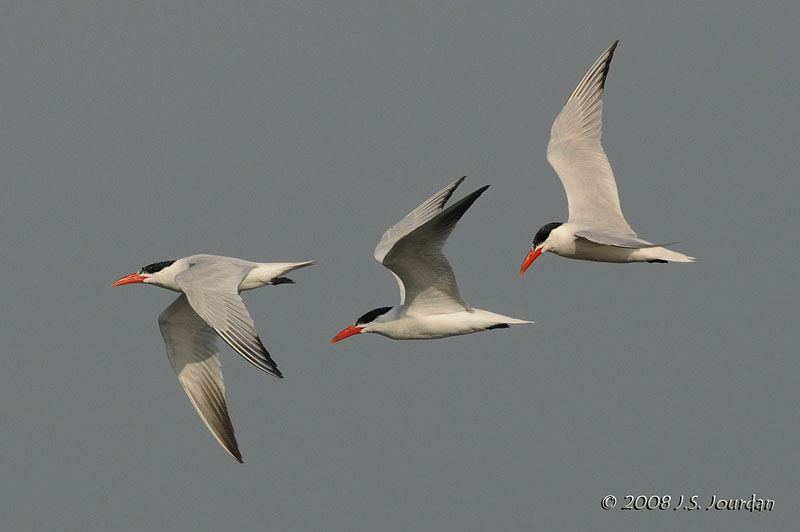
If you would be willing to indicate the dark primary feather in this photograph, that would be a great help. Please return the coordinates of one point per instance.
(221, 306)
(448, 217)
(413, 257)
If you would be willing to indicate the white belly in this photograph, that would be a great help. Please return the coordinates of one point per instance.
(428, 327)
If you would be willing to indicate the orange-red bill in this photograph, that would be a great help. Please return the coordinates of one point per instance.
(129, 279)
(350, 331)
(532, 256)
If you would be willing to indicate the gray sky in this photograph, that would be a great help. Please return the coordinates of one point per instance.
(139, 132)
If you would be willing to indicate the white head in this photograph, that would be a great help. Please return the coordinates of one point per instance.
(156, 273)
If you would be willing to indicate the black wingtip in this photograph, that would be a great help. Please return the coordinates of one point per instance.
(459, 208)
(472, 196)
(607, 64)
(450, 192)
(267, 365)
(274, 371)
(233, 448)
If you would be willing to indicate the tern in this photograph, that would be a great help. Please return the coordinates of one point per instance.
(596, 229)
(210, 305)
(430, 304)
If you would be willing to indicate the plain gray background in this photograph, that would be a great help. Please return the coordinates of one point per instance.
(139, 132)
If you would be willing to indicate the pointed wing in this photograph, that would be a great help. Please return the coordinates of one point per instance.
(212, 288)
(577, 156)
(429, 208)
(611, 237)
(426, 279)
(192, 352)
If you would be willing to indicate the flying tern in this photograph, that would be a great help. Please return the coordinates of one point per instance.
(596, 229)
(210, 305)
(430, 304)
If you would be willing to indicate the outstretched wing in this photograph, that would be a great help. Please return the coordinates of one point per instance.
(212, 288)
(192, 352)
(429, 208)
(576, 154)
(426, 279)
(610, 237)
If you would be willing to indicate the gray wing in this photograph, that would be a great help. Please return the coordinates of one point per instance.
(616, 239)
(577, 156)
(212, 288)
(421, 268)
(429, 208)
(192, 352)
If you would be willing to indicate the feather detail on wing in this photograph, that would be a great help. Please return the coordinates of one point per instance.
(426, 279)
(614, 238)
(192, 352)
(576, 154)
(212, 291)
(427, 210)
